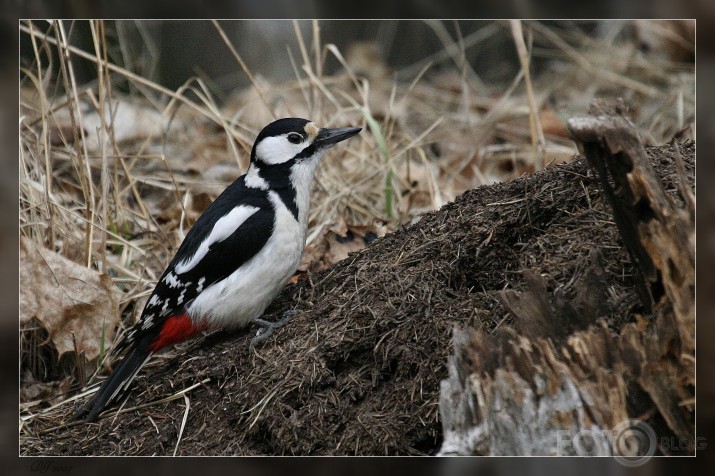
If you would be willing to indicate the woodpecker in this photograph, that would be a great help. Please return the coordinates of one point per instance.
(237, 256)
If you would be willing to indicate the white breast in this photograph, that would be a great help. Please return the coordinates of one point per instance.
(246, 293)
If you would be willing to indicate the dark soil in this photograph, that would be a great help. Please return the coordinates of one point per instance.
(358, 371)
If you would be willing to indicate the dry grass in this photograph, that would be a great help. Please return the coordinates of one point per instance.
(113, 181)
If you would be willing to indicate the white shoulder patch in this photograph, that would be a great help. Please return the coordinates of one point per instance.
(223, 228)
(254, 180)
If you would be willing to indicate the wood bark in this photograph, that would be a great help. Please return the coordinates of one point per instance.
(549, 387)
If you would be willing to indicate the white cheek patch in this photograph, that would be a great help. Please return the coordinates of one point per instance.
(223, 228)
(277, 150)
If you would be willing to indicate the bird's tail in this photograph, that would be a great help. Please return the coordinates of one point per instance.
(117, 382)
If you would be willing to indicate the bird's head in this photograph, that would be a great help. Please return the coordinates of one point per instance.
(284, 158)
(292, 141)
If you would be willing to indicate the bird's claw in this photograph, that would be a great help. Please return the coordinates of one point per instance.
(267, 328)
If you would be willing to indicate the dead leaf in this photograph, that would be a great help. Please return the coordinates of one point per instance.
(66, 299)
(552, 124)
(343, 239)
(333, 244)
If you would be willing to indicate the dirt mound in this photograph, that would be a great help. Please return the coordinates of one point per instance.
(358, 371)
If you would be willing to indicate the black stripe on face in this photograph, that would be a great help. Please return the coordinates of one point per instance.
(306, 153)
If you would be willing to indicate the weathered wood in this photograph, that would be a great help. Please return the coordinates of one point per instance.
(519, 391)
(659, 234)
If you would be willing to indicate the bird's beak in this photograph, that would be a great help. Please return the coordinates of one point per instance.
(333, 136)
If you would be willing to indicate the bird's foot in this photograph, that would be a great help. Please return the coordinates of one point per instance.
(267, 327)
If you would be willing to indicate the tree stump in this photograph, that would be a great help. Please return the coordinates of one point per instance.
(540, 389)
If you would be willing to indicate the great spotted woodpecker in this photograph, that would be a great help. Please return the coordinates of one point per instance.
(236, 257)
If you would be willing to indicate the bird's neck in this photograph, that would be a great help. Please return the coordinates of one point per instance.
(291, 181)
(301, 179)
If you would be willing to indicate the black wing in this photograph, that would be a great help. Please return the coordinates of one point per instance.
(175, 291)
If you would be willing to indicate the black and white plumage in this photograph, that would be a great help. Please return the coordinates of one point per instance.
(236, 257)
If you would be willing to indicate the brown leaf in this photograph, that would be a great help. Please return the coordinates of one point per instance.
(333, 244)
(552, 124)
(66, 299)
(343, 239)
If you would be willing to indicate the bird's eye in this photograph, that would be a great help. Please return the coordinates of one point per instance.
(294, 138)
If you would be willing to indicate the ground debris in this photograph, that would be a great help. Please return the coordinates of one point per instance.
(359, 369)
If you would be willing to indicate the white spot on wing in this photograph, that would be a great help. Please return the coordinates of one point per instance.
(172, 280)
(154, 301)
(148, 322)
(200, 286)
(223, 228)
